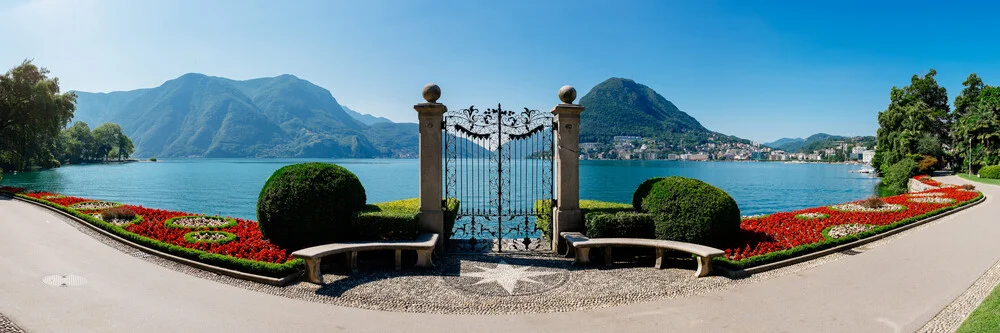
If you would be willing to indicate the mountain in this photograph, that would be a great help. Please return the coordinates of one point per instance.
(820, 141)
(622, 107)
(364, 118)
(196, 115)
(783, 141)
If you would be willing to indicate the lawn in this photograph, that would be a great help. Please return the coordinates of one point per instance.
(986, 317)
(979, 180)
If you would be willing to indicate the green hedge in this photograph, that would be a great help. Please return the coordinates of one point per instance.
(239, 264)
(829, 242)
(397, 220)
(897, 176)
(543, 209)
(620, 224)
(991, 172)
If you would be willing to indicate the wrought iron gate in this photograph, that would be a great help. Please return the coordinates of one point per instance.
(499, 164)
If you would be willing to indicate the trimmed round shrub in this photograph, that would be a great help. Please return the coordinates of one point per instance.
(690, 210)
(991, 172)
(308, 204)
(642, 191)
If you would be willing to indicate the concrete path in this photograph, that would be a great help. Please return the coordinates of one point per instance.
(896, 287)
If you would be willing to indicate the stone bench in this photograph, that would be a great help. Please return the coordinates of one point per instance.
(581, 246)
(424, 245)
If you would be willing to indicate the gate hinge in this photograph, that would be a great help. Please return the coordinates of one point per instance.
(555, 203)
(555, 126)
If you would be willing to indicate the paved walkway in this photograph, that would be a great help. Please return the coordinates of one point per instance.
(896, 287)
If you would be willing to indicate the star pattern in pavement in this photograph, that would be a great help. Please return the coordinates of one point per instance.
(506, 275)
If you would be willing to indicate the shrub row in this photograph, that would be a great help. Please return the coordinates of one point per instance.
(397, 220)
(620, 224)
(543, 209)
(991, 172)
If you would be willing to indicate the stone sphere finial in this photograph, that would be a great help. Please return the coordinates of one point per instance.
(567, 94)
(432, 92)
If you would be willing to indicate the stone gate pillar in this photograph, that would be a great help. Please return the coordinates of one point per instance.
(566, 216)
(431, 116)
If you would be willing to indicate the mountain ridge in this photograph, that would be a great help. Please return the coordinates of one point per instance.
(623, 107)
(197, 115)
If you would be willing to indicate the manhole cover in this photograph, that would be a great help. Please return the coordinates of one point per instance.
(64, 280)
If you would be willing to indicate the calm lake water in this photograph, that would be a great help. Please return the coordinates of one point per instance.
(230, 186)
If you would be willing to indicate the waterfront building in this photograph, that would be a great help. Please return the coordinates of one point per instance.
(867, 156)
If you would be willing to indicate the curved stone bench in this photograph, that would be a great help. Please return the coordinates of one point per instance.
(424, 245)
(581, 245)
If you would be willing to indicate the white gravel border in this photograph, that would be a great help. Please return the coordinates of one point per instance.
(949, 319)
(7, 326)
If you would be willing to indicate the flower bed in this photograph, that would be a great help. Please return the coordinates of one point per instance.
(246, 251)
(226, 242)
(927, 180)
(773, 237)
(783, 235)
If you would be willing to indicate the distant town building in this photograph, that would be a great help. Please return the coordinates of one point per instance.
(867, 156)
(697, 157)
(626, 138)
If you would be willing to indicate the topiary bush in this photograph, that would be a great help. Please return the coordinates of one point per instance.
(642, 191)
(991, 172)
(898, 175)
(690, 210)
(308, 204)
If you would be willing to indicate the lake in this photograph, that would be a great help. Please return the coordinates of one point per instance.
(230, 186)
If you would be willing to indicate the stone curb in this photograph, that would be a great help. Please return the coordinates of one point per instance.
(279, 282)
(741, 273)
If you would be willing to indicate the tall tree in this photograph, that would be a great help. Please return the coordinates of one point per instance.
(80, 144)
(914, 110)
(107, 137)
(964, 103)
(32, 112)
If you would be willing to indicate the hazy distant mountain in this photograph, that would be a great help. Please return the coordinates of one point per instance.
(783, 141)
(204, 116)
(365, 118)
(820, 141)
(619, 106)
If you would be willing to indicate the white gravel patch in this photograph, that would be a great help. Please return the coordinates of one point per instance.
(848, 229)
(926, 194)
(856, 208)
(933, 200)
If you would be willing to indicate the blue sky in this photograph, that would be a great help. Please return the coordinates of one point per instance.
(756, 69)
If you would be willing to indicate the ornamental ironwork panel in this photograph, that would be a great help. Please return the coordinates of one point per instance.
(498, 163)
